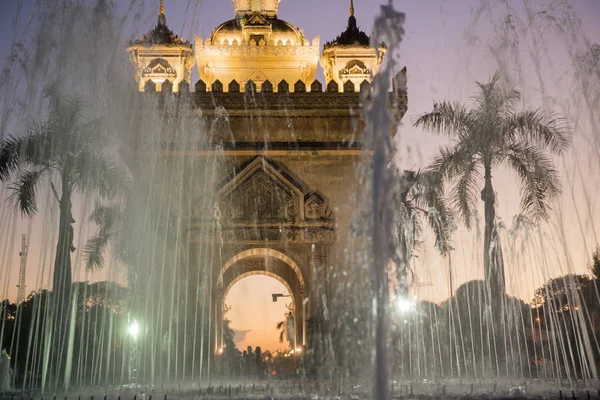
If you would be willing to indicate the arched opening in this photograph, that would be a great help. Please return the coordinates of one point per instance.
(273, 266)
(253, 315)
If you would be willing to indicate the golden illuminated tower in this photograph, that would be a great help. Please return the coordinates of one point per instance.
(351, 57)
(266, 7)
(257, 46)
(163, 60)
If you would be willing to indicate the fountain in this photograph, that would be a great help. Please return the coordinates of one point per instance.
(5, 372)
(227, 157)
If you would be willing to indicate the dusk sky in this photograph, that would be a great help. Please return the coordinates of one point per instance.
(448, 45)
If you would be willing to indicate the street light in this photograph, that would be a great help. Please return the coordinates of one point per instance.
(278, 295)
(133, 329)
(405, 305)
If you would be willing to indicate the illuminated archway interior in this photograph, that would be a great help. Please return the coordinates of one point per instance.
(252, 312)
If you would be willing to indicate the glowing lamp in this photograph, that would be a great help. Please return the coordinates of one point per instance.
(133, 329)
(404, 305)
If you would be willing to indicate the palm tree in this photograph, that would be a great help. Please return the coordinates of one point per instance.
(420, 195)
(113, 221)
(64, 148)
(491, 133)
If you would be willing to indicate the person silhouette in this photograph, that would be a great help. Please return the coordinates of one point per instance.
(249, 361)
(258, 363)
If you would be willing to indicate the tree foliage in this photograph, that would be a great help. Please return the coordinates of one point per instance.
(493, 132)
(64, 149)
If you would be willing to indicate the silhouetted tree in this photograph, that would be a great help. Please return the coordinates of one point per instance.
(417, 334)
(595, 265)
(492, 133)
(568, 307)
(484, 342)
(420, 196)
(64, 146)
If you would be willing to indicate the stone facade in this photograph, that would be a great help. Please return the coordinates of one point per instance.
(282, 204)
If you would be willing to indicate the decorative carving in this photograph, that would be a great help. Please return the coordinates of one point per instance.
(266, 87)
(364, 86)
(161, 35)
(234, 86)
(159, 68)
(260, 199)
(332, 86)
(316, 102)
(314, 208)
(250, 86)
(355, 67)
(316, 86)
(220, 130)
(283, 87)
(299, 87)
(217, 86)
(184, 87)
(200, 86)
(349, 87)
(150, 86)
(319, 235)
(167, 86)
(259, 196)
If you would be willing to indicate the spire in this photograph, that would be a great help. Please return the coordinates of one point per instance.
(162, 20)
(352, 20)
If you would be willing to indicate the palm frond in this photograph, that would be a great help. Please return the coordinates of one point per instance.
(89, 135)
(464, 195)
(545, 129)
(452, 119)
(438, 212)
(496, 97)
(66, 111)
(98, 172)
(10, 156)
(106, 215)
(94, 250)
(409, 230)
(109, 218)
(24, 190)
(450, 161)
(459, 165)
(29, 150)
(540, 181)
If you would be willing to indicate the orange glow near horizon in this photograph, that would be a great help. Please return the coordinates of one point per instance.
(253, 313)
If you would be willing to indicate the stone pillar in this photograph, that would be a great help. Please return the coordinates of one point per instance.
(218, 319)
(317, 276)
(319, 353)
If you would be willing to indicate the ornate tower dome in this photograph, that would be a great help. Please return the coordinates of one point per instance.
(266, 7)
(257, 46)
(162, 59)
(350, 57)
